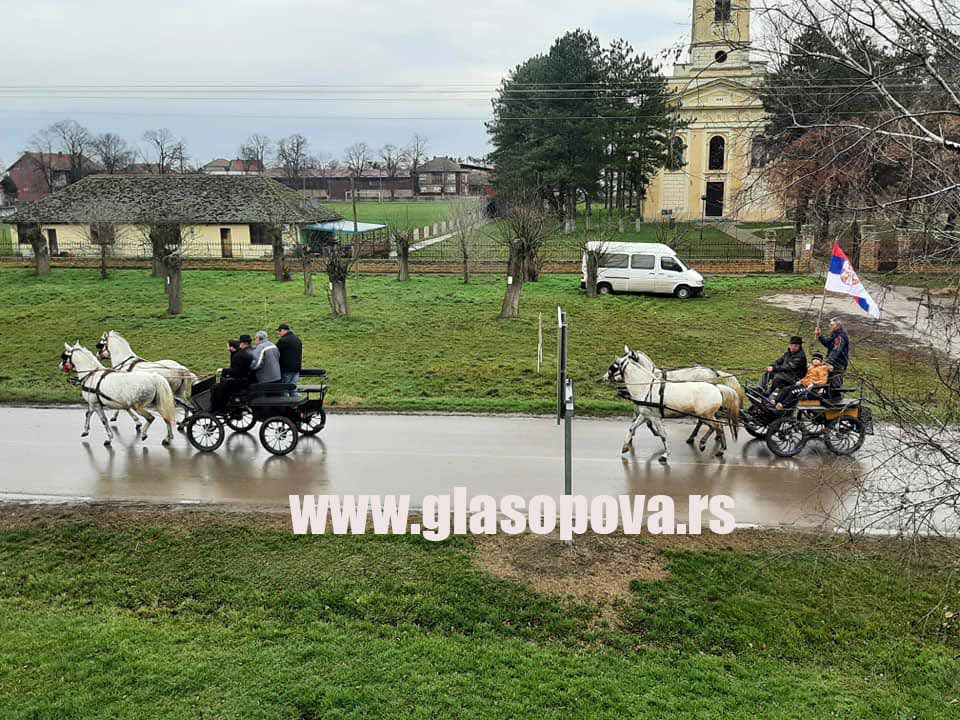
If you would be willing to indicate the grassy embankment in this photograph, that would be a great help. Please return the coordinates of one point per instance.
(183, 615)
(429, 344)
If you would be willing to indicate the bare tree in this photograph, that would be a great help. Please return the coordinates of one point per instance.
(39, 245)
(594, 244)
(338, 259)
(102, 231)
(523, 226)
(464, 218)
(75, 141)
(42, 144)
(392, 159)
(357, 158)
(400, 230)
(169, 240)
(292, 154)
(416, 153)
(256, 151)
(165, 150)
(112, 152)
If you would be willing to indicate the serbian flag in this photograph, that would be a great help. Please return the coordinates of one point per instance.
(843, 279)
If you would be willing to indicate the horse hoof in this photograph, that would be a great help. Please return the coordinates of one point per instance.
(625, 449)
(106, 443)
(84, 434)
(138, 427)
(703, 446)
(662, 459)
(166, 443)
(690, 441)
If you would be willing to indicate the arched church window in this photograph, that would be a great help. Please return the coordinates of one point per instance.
(676, 154)
(759, 152)
(721, 11)
(717, 151)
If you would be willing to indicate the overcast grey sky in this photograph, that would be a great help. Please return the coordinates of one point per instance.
(367, 54)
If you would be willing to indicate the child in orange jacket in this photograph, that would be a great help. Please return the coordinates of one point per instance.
(817, 373)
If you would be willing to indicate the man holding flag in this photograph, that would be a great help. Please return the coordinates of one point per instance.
(837, 345)
(842, 278)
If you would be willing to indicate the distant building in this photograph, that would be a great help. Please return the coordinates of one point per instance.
(441, 177)
(373, 184)
(218, 215)
(237, 166)
(36, 175)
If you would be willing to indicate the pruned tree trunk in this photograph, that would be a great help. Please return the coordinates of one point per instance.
(41, 258)
(174, 286)
(338, 298)
(466, 269)
(403, 259)
(308, 282)
(511, 298)
(531, 267)
(157, 269)
(593, 268)
(104, 254)
(279, 269)
(41, 250)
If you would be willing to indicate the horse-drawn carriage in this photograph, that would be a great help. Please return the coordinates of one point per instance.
(820, 413)
(284, 411)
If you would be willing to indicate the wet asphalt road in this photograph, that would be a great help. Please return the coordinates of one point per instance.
(45, 460)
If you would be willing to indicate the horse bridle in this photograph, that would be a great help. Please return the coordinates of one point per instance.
(66, 362)
(127, 365)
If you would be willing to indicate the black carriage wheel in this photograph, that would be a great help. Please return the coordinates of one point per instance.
(812, 422)
(786, 437)
(241, 419)
(205, 431)
(279, 435)
(311, 423)
(845, 435)
(753, 424)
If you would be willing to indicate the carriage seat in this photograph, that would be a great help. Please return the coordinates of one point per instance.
(273, 388)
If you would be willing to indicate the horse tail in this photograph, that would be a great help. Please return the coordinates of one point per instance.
(187, 385)
(731, 405)
(164, 399)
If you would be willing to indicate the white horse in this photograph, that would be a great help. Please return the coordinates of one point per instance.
(656, 398)
(106, 388)
(697, 373)
(115, 348)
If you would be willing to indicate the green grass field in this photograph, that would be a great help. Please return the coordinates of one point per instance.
(171, 616)
(419, 213)
(432, 343)
(687, 240)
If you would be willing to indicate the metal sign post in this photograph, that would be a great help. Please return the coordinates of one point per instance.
(565, 400)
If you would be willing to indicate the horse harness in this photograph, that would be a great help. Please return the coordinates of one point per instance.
(95, 390)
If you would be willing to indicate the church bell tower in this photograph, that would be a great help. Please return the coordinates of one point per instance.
(720, 34)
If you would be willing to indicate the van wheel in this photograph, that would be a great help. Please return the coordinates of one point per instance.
(604, 289)
(682, 292)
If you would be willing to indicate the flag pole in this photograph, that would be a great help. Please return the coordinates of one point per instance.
(823, 299)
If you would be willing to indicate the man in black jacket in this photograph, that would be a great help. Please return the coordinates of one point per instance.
(788, 369)
(291, 355)
(236, 377)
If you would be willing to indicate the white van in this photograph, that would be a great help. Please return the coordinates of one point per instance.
(643, 267)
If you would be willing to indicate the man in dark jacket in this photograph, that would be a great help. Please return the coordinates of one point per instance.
(838, 355)
(837, 344)
(291, 355)
(788, 369)
(236, 377)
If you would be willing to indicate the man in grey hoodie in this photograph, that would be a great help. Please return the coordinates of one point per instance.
(266, 359)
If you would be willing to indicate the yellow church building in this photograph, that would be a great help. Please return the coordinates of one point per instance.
(717, 155)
